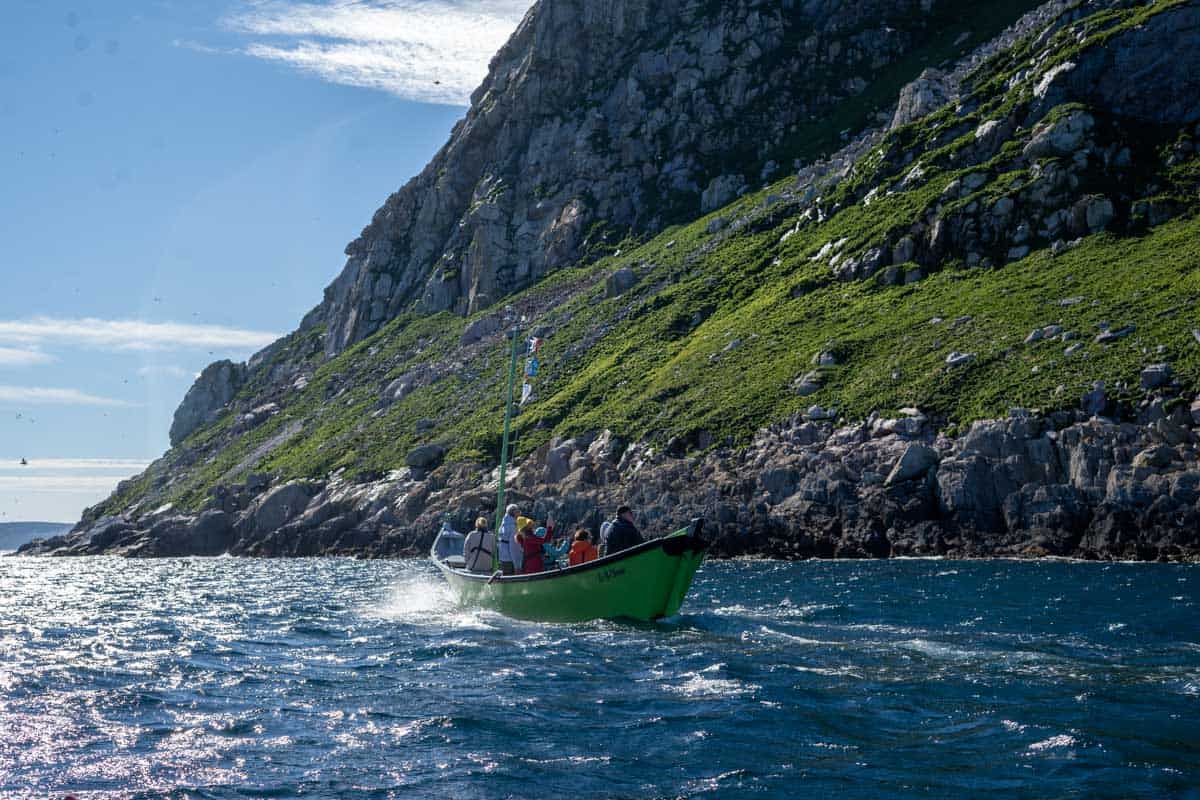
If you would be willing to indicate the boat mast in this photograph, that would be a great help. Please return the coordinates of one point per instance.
(512, 376)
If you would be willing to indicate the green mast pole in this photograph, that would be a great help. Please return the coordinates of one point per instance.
(512, 376)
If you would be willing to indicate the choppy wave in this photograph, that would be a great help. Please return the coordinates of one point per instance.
(224, 678)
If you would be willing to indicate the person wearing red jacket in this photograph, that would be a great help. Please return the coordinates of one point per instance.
(531, 545)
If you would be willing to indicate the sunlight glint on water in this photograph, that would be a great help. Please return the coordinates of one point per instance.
(347, 679)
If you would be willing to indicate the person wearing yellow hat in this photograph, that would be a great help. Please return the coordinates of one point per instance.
(517, 550)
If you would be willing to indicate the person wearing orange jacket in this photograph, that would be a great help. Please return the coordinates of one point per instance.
(582, 549)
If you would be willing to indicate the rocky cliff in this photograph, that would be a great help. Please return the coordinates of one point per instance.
(598, 121)
(849, 279)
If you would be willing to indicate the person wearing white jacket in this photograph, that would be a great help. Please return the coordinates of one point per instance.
(507, 539)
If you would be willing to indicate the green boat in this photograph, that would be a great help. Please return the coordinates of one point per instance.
(645, 582)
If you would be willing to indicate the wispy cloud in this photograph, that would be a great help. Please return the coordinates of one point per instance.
(130, 334)
(58, 476)
(435, 51)
(127, 466)
(60, 484)
(45, 396)
(21, 357)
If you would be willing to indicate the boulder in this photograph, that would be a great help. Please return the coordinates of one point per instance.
(426, 456)
(607, 447)
(818, 413)
(211, 534)
(1095, 402)
(105, 532)
(1156, 376)
(916, 461)
(904, 250)
(1108, 337)
(808, 383)
(957, 359)
(620, 282)
(257, 482)
(1061, 136)
(720, 191)
(283, 503)
(480, 329)
(1156, 457)
(558, 462)
(1098, 213)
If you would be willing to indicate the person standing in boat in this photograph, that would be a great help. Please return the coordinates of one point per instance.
(507, 536)
(479, 546)
(531, 545)
(622, 534)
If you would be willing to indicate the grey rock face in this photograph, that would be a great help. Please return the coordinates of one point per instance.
(1150, 73)
(212, 391)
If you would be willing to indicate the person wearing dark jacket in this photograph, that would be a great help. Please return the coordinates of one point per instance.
(623, 534)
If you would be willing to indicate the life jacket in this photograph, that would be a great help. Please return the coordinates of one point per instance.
(581, 552)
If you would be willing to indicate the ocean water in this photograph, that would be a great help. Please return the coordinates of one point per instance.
(333, 678)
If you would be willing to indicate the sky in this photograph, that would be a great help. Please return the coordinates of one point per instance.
(178, 180)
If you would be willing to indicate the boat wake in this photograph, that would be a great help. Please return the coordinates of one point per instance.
(416, 598)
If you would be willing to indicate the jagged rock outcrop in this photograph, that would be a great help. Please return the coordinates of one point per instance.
(212, 391)
(927, 93)
(1150, 73)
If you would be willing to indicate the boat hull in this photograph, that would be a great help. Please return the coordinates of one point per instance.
(645, 582)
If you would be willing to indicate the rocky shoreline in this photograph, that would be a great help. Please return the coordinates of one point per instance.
(1068, 484)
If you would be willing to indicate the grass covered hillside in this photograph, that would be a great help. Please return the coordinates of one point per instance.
(1010, 249)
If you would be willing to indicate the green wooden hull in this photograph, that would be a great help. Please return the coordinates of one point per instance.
(645, 582)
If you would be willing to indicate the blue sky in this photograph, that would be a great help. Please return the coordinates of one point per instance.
(178, 182)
